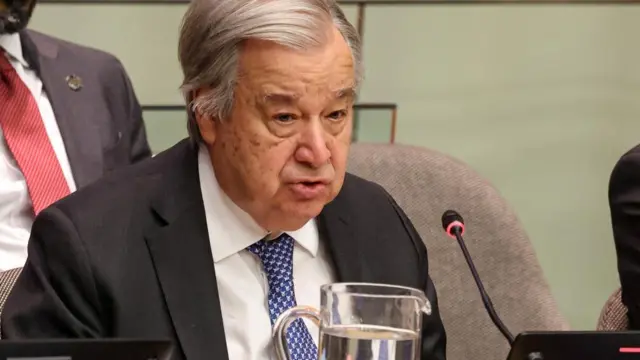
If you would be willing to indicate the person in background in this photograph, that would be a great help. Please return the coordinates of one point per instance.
(68, 115)
(624, 203)
(210, 241)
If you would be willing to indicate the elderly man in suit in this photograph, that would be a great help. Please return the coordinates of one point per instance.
(209, 241)
(68, 115)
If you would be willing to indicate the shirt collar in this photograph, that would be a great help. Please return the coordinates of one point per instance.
(12, 45)
(230, 228)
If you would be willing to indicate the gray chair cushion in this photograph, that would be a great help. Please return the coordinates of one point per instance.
(426, 183)
(614, 314)
(7, 279)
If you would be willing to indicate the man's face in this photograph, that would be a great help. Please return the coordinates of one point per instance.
(15, 15)
(282, 154)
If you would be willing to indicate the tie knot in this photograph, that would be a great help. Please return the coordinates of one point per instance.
(278, 247)
(276, 256)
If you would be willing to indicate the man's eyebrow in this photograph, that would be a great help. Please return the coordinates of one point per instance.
(279, 98)
(288, 98)
(346, 93)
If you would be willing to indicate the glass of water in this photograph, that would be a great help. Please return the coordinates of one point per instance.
(362, 321)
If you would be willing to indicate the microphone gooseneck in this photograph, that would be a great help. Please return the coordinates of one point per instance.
(453, 224)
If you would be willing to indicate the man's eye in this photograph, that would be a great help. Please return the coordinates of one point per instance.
(284, 117)
(337, 115)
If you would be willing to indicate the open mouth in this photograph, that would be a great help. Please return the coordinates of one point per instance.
(311, 183)
(309, 189)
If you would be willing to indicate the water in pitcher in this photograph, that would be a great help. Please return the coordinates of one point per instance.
(368, 342)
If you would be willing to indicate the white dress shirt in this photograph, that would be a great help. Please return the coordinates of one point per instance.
(16, 214)
(242, 284)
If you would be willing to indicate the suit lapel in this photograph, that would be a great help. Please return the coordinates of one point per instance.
(344, 241)
(81, 137)
(181, 253)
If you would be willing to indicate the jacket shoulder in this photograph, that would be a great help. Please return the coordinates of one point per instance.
(41, 39)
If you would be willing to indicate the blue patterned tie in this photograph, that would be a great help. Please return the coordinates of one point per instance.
(277, 260)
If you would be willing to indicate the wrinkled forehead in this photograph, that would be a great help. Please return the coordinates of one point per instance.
(269, 70)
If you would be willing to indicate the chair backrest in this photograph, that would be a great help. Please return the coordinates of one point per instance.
(426, 183)
(614, 314)
(7, 279)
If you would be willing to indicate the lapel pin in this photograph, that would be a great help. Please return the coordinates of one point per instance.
(74, 82)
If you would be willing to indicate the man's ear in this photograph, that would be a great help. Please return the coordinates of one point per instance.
(206, 123)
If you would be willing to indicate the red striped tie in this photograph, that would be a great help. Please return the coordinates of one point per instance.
(27, 139)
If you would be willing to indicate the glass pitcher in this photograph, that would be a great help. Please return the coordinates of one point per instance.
(360, 321)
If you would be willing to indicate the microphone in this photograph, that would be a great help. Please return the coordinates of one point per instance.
(453, 224)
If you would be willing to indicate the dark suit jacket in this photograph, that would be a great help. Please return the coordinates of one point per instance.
(101, 123)
(129, 256)
(624, 203)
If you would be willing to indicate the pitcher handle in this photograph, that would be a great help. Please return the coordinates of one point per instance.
(282, 323)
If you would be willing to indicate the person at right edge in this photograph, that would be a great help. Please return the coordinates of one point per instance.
(624, 204)
(208, 242)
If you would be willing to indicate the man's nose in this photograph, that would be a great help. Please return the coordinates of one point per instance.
(313, 148)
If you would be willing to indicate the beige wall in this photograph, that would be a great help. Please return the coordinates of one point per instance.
(542, 99)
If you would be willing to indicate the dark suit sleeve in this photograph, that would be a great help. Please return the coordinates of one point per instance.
(137, 137)
(624, 203)
(55, 296)
(434, 339)
(434, 344)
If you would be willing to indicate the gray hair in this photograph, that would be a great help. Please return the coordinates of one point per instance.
(212, 32)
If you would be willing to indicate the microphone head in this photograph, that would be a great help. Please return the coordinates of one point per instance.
(451, 221)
